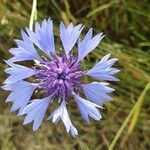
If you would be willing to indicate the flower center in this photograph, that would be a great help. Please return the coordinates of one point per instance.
(61, 76)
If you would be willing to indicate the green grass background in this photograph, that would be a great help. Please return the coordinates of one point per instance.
(126, 24)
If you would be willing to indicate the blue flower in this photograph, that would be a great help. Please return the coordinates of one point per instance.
(57, 76)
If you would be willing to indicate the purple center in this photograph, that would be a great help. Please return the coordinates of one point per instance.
(61, 76)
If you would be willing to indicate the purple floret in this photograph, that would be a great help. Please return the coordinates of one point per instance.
(60, 76)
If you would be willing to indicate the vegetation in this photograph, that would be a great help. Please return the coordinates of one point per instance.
(126, 121)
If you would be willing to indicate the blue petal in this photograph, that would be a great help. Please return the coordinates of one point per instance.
(103, 70)
(73, 130)
(18, 72)
(35, 111)
(61, 113)
(88, 44)
(25, 50)
(87, 108)
(97, 92)
(69, 36)
(20, 95)
(43, 37)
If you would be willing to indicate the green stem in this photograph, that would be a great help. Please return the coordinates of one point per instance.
(33, 14)
(129, 117)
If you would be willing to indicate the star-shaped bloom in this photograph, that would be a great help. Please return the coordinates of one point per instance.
(57, 77)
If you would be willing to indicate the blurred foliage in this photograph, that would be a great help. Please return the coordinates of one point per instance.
(126, 25)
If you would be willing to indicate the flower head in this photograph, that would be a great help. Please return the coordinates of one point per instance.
(58, 76)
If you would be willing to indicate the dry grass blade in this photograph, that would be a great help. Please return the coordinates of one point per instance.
(102, 7)
(133, 113)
